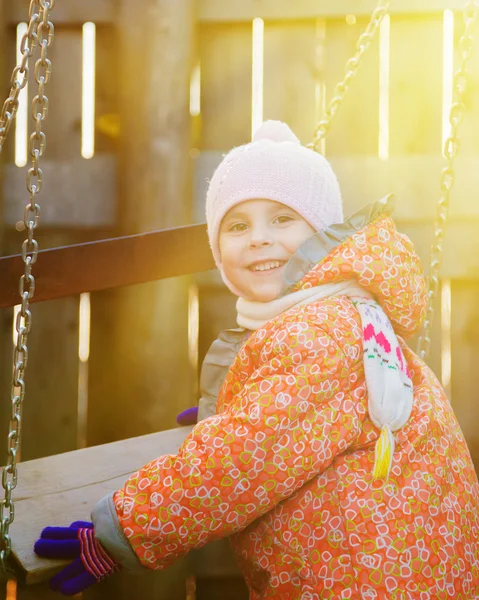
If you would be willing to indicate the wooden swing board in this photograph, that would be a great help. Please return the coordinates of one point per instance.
(64, 488)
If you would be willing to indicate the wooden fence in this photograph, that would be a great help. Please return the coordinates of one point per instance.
(143, 348)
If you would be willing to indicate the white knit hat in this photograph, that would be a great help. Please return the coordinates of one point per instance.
(274, 166)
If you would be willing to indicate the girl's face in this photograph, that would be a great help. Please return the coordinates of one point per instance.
(257, 238)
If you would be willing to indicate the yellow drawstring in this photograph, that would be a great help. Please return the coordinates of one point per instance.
(383, 454)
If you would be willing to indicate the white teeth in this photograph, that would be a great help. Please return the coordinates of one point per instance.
(267, 266)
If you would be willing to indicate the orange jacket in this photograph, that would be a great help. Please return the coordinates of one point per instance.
(285, 467)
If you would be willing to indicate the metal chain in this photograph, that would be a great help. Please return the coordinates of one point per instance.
(44, 38)
(451, 149)
(20, 73)
(352, 67)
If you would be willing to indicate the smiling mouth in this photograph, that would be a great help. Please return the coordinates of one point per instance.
(266, 267)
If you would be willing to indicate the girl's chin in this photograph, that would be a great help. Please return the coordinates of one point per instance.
(257, 288)
(263, 295)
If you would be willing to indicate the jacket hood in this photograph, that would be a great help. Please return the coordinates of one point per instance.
(366, 247)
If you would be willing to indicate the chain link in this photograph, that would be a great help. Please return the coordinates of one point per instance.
(20, 72)
(40, 32)
(451, 150)
(352, 68)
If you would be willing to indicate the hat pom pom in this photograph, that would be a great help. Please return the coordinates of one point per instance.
(275, 131)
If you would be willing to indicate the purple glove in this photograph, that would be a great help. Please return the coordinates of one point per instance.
(188, 416)
(91, 561)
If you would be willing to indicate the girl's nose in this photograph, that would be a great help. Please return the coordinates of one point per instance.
(260, 237)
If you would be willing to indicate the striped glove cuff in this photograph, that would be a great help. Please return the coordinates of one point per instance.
(94, 557)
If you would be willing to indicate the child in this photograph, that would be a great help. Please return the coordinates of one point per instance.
(326, 449)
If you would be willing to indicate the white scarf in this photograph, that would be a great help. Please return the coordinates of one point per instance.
(390, 390)
(253, 315)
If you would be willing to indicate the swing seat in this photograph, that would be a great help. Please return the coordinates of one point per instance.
(60, 489)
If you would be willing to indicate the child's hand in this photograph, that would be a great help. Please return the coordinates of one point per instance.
(91, 561)
(188, 416)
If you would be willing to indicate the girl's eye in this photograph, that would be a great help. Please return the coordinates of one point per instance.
(283, 219)
(237, 227)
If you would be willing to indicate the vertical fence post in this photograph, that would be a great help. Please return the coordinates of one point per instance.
(139, 370)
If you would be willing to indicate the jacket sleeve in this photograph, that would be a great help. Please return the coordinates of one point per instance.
(215, 367)
(284, 426)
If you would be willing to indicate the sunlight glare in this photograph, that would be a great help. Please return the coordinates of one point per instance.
(448, 73)
(384, 71)
(193, 326)
(84, 328)
(16, 310)
(21, 121)
(258, 67)
(88, 91)
(195, 91)
(446, 333)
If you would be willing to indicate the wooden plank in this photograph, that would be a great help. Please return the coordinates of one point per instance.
(216, 11)
(77, 193)
(226, 85)
(111, 263)
(414, 180)
(63, 488)
(416, 85)
(50, 410)
(461, 240)
(108, 82)
(465, 340)
(354, 130)
(80, 468)
(69, 12)
(204, 166)
(63, 125)
(291, 73)
(140, 358)
(140, 352)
